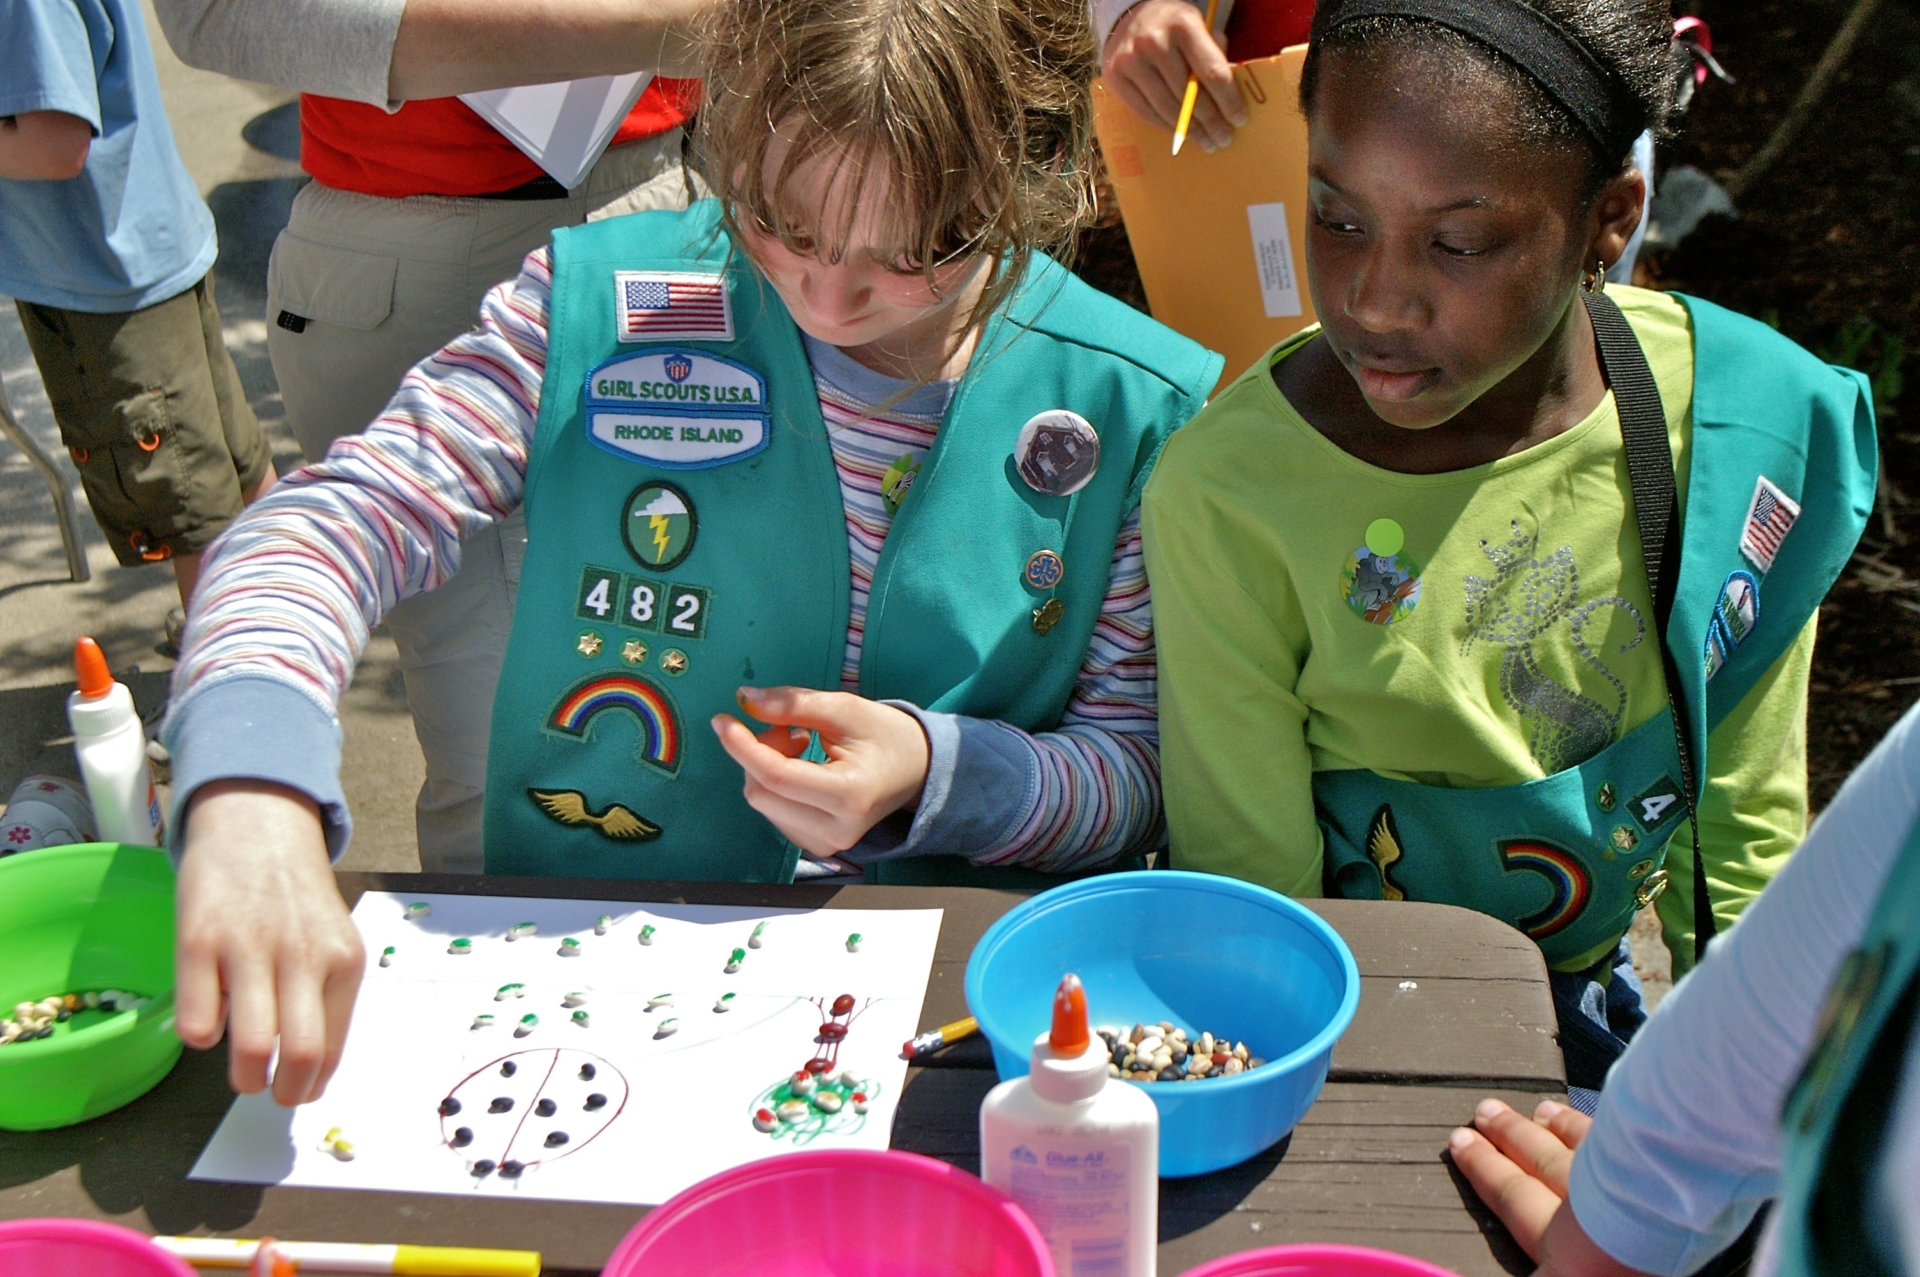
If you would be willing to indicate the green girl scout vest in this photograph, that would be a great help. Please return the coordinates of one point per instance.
(1839, 1112)
(1782, 478)
(686, 536)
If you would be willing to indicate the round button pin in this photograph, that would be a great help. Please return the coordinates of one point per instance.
(1044, 570)
(1057, 452)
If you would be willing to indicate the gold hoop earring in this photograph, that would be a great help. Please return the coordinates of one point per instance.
(1596, 280)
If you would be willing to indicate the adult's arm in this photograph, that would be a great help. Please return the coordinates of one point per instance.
(386, 51)
(1686, 1144)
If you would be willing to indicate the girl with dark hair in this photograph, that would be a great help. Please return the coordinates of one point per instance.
(1498, 584)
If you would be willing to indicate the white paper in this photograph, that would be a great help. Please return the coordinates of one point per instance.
(564, 126)
(1273, 258)
(679, 1108)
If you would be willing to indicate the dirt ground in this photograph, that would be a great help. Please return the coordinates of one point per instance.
(1827, 248)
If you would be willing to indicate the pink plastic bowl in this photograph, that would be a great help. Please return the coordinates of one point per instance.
(81, 1248)
(1317, 1261)
(836, 1213)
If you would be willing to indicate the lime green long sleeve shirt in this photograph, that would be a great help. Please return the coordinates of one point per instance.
(1267, 675)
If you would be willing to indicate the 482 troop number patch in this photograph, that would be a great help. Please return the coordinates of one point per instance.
(642, 603)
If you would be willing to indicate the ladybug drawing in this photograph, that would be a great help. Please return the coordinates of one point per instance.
(530, 1108)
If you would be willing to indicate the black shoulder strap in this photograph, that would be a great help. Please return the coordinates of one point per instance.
(1656, 507)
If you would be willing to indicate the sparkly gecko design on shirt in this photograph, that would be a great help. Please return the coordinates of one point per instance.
(1524, 599)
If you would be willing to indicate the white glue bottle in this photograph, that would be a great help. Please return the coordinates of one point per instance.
(1078, 1151)
(112, 748)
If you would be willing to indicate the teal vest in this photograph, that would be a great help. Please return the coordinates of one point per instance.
(1568, 858)
(686, 536)
(1838, 1113)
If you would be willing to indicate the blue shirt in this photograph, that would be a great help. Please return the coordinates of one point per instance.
(131, 230)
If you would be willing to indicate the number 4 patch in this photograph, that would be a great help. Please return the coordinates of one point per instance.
(599, 594)
(1658, 803)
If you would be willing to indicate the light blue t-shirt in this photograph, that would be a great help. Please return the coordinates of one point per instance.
(131, 230)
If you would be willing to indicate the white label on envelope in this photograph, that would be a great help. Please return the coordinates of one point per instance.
(1273, 256)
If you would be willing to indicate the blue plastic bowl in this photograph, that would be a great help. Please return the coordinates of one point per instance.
(1204, 952)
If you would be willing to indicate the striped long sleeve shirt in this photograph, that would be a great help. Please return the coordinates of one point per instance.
(289, 594)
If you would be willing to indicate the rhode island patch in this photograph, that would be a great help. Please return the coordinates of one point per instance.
(678, 409)
(651, 305)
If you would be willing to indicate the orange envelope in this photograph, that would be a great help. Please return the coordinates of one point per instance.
(1220, 239)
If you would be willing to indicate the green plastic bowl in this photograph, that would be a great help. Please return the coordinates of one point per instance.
(76, 919)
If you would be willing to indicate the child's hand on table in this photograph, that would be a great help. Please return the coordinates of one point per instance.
(1519, 1168)
(261, 921)
(1153, 48)
(876, 764)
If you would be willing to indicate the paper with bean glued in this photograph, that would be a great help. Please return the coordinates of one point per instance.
(656, 1107)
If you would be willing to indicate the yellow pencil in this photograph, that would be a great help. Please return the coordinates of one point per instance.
(332, 1257)
(1193, 90)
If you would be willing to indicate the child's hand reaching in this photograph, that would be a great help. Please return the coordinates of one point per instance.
(876, 763)
(1519, 1166)
(265, 949)
(1154, 47)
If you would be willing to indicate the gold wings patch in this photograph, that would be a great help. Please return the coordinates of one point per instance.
(569, 807)
(1383, 848)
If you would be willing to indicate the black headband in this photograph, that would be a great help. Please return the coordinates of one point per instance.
(1531, 40)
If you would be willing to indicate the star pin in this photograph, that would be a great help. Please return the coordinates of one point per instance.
(673, 661)
(634, 652)
(589, 644)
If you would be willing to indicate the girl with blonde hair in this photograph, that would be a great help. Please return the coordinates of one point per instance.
(841, 445)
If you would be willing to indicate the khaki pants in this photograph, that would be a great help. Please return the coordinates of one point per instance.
(359, 290)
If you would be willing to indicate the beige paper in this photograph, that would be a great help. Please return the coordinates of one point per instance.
(1220, 239)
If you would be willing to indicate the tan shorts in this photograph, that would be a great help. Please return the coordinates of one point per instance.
(151, 408)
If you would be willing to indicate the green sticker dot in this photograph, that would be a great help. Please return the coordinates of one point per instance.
(1385, 538)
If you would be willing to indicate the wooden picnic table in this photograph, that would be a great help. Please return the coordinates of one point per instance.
(1453, 1006)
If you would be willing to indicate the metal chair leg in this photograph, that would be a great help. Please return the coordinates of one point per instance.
(77, 567)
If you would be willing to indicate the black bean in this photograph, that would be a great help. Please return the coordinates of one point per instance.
(509, 1069)
(449, 1106)
(500, 1104)
(586, 1072)
(556, 1138)
(483, 1167)
(511, 1169)
(1168, 1074)
(595, 1101)
(546, 1108)
(462, 1137)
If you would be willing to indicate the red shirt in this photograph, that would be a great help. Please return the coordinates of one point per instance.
(439, 146)
(1261, 28)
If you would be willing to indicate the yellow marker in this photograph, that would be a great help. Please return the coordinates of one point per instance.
(339, 1257)
(1193, 90)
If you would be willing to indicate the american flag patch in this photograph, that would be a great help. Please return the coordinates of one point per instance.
(668, 306)
(1769, 519)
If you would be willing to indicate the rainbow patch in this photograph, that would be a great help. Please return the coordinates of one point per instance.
(1566, 877)
(659, 724)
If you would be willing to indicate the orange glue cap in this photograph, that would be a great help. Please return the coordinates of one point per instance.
(90, 665)
(1069, 1035)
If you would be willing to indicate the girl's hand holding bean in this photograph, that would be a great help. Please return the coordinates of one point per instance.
(1519, 1167)
(1154, 47)
(876, 764)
